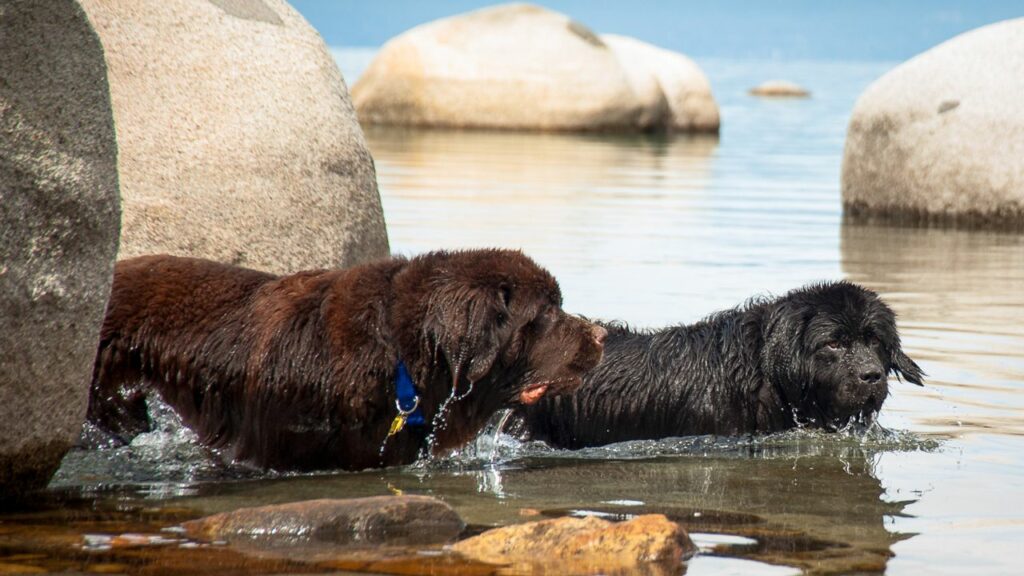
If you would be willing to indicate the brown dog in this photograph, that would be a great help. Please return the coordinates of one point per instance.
(304, 371)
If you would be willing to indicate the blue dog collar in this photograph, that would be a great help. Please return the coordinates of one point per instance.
(408, 401)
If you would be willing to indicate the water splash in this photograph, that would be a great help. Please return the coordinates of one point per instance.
(493, 449)
(440, 420)
(167, 461)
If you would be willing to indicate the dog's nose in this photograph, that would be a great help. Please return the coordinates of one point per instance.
(871, 376)
(599, 334)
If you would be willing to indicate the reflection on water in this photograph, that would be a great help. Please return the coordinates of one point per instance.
(812, 504)
(960, 300)
(660, 230)
(571, 201)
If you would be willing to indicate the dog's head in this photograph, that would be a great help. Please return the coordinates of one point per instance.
(494, 319)
(829, 349)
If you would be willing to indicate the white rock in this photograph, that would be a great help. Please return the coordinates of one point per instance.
(941, 137)
(679, 79)
(514, 66)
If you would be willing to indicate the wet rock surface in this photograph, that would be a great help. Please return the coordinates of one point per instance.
(59, 222)
(392, 520)
(581, 545)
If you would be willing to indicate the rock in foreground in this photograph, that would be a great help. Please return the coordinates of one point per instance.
(940, 138)
(405, 520)
(59, 222)
(237, 140)
(581, 545)
(522, 67)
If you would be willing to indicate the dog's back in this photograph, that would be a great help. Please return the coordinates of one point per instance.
(160, 295)
(649, 385)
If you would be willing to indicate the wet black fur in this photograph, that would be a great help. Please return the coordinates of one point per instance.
(817, 357)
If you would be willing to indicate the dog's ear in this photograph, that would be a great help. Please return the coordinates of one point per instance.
(905, 368)
(466, 324)
(783, 358)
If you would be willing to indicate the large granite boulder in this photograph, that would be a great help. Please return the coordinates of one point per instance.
(59, 219)
(692, 106)
(514, 66)
(940, 138)
(237, 138)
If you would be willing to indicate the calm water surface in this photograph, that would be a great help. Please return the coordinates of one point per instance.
(655, 231)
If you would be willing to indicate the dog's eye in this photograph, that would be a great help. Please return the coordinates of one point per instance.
(833, 345)
(872, 341)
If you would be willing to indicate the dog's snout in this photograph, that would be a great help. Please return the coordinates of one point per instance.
(870, 376)
(599, 334)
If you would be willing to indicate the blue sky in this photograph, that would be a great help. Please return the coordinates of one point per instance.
(781, 29)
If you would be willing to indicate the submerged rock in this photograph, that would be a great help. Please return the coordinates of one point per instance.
(59, 221)
(940, 138)
(682, 83)
(780, 89)
(237, 140)
(405, 520)
(581, 545)
(522, 67)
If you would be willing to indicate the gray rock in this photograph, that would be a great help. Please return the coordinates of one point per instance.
(388, 520)
(238, 141)
(514, 66)
(940, 138)
(59, 220)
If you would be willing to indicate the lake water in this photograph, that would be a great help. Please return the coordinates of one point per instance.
(658, 230)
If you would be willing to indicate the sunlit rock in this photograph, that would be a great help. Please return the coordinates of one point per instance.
(681, 82)
(581, 545)
(237, 140)
(940, 138)
(59, 220)
(514, 66)
(403, 520)
(780, 89)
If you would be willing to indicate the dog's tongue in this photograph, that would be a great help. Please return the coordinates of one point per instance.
(532, 394)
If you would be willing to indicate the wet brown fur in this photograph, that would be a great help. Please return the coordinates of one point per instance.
(298, 371)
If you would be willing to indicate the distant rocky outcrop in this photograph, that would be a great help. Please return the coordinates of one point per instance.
(523, 67)
(586, 545)
(59, 220)
(237, 138)
(780, 89)
(940, 138)
(686, 89)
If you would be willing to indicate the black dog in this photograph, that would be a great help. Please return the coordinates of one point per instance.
(816, 357)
